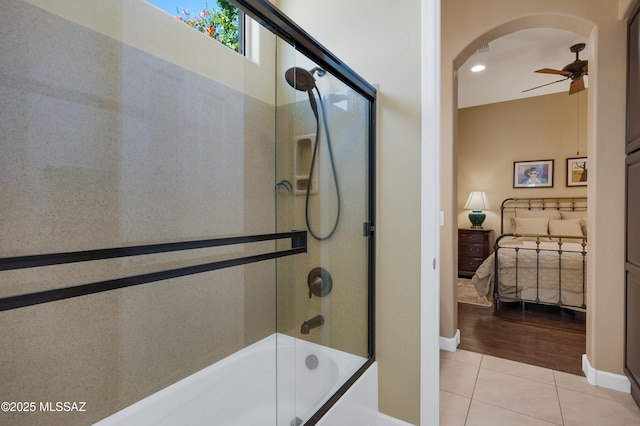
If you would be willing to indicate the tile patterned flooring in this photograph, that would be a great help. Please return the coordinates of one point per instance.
(478, 389)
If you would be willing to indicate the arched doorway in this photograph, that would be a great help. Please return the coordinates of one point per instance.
(603, 23)
(450, 196)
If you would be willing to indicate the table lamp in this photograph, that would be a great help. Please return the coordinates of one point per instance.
(477, 202)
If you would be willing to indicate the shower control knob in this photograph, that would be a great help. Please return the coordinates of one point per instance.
(320, 282)
(315, 286)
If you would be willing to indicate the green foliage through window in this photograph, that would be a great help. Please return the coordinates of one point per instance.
(220, 23)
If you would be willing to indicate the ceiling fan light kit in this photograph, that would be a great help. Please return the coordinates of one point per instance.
(575, 71)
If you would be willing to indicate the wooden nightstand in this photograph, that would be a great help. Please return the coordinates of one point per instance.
(473, 249)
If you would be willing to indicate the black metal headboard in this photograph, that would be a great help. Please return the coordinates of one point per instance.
(511, 205)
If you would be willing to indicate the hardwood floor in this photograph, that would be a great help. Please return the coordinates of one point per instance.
(540, 335)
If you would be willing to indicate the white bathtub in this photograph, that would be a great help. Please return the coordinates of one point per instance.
(243, 389)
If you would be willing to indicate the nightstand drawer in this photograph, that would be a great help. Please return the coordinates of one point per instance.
(471, 250)
(472, 237)
(469, 264)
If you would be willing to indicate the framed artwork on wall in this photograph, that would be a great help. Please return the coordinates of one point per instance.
(577, 171)
(533, 174)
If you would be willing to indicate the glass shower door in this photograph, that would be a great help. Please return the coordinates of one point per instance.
(322, 187)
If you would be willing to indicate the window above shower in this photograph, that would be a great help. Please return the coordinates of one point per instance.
(221, 21)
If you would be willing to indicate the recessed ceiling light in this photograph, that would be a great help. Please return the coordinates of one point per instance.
(478, 68)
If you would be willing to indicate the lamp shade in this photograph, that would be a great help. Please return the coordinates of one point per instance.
(476, 202)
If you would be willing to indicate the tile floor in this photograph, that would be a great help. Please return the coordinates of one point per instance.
(478, 389)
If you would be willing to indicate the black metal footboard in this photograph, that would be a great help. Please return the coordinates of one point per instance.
(541, 269)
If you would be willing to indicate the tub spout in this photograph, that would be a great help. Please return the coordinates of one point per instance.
(314, 322)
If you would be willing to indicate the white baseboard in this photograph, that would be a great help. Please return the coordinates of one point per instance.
(605, 379)
(450, 344)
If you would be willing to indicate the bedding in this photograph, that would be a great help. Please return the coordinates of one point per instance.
(566, 227)
(528, 274)
(572, 215)
(531, 225)
(542, 259)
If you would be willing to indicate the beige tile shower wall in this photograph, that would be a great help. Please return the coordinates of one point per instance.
(103, 145)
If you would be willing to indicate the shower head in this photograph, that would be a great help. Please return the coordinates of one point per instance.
(300, 79)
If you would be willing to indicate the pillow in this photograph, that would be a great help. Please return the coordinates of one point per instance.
(570, 227)
(573, 214)
(526, 213)
(582, 215)
(530, 225)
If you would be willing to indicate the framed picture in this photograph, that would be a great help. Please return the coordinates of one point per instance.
(577, 171)
(533, 174)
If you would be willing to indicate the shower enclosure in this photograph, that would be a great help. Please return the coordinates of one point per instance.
(186, 233)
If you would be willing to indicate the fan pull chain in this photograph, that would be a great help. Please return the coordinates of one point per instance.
(578, 130)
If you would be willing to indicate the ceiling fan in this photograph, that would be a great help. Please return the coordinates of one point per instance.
(575, 71)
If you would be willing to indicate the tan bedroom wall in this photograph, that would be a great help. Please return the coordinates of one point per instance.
(491, 137)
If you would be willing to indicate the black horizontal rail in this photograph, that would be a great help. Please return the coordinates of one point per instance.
(33, 261)
(298, 245)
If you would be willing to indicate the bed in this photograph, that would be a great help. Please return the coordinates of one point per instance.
(542, 256)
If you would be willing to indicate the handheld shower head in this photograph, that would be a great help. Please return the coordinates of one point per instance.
(300, 79)
(303, 80)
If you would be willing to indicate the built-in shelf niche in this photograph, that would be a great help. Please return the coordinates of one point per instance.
(303, 151)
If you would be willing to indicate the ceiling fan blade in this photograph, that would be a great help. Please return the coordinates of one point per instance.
(586, 69)
(577, 85)
(553, 82)
(552, 71)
